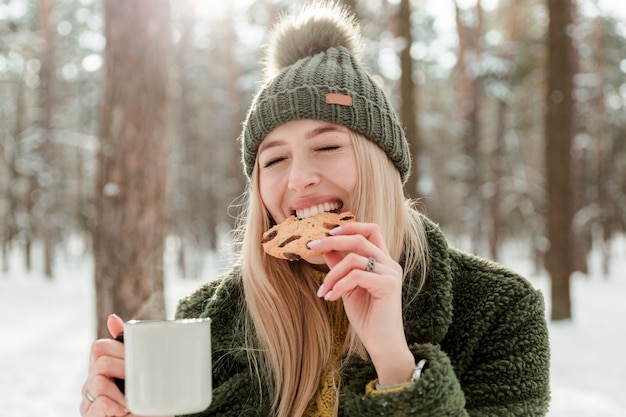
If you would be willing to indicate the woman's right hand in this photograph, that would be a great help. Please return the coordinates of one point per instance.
(100, 395)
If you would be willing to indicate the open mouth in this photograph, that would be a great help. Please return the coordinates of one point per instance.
(332, 207)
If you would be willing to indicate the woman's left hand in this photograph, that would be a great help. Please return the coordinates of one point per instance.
(372, 296)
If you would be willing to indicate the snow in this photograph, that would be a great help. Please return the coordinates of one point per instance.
(47, 328)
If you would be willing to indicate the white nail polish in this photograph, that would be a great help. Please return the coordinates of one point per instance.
(312, 244)
(320, 291)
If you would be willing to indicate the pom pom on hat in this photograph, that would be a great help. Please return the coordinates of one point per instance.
(317, 27)
(312, 72)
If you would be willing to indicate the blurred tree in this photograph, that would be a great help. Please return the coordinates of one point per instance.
(498, 86)
(46, 75)
(219, 71)
(558, 155)
(599, 172)
(470, 27)
(408, 91)
(19, 135)
(135, 129)
(523, 194)
(610, 47)
(206, 167)
(188, 186)
(11, 177)
(48, 101)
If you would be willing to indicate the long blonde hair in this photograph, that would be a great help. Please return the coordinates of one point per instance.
(288, 331)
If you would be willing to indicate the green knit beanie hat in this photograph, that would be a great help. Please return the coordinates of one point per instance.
(313, 72)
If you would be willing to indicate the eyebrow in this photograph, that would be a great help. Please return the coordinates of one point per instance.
(267, 144)
(323, 129)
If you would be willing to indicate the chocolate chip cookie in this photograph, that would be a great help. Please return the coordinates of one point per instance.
(289, 239)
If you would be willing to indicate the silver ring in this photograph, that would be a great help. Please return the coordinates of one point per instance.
(88, 396)
(371, 263)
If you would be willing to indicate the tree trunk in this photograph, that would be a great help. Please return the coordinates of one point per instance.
(469, 93)
(408, 88)
(496, 162)
(234, 173)
(497, 156)
(558, 139)
(185, 186)
(602, 150)
(9, 225)
(45, 91)
(135, 130)
(469, 50)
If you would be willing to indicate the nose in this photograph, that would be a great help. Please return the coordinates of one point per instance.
(302, 175)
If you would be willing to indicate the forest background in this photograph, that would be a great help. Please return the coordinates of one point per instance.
(119, 123)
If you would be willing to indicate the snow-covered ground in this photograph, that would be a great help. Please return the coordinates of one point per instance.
(46, 329)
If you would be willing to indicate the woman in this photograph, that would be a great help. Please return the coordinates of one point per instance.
(389, 320)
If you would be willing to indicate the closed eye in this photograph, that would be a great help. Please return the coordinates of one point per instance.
(328, 148)
(272, 162)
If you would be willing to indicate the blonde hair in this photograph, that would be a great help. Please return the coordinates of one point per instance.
(288, 331)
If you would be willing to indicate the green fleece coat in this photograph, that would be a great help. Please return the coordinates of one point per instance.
(481, 327)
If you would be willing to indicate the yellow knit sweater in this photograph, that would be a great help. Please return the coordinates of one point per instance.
(324, 402)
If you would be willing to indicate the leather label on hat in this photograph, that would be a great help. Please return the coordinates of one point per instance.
(341, 99)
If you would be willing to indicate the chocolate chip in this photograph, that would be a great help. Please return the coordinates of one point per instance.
(271, 235)
(292, 256)
(330, 226)
(344, 218)
(289, 240)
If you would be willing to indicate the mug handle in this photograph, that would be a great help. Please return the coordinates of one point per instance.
(119, 381)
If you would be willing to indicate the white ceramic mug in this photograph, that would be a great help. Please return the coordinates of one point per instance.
(168, 366)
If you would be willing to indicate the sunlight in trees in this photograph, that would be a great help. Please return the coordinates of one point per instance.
(51, 93)
(92, 62)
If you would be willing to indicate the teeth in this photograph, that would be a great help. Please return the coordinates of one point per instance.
(312, 211)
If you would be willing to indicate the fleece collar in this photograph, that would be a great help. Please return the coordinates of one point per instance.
(428, 316)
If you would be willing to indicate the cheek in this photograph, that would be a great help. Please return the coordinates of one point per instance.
(271, 196)
(346, 175)
(346, 181)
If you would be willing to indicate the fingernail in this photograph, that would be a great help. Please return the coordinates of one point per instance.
(335, 230)
(312, 243)
(320, 291)
(328, 295)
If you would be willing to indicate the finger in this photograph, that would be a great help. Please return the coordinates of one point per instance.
(100, 386)
(106, 361)
(346, 244)
(115, 325)
(332, 258)
(340, 265)
(84, 404)
(384, 277)
(370, 231)
(103, 348)
(355, 279)
(378, 284)
(103, 406)
(348, 263)
(110, 365)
